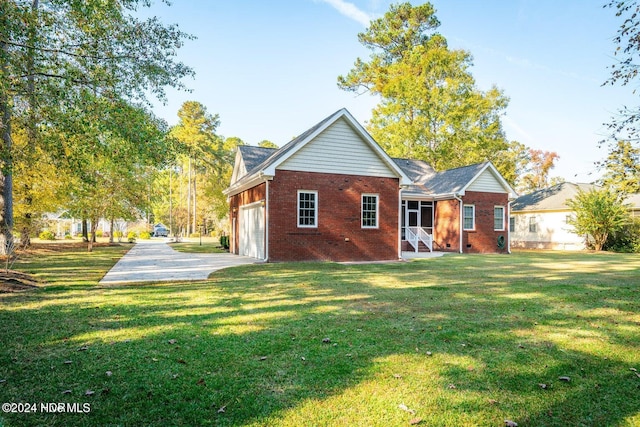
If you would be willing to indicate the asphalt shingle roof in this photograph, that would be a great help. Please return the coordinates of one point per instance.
(427, 180)
(552, 198)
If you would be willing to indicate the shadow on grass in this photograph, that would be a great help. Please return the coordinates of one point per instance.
(463, 339)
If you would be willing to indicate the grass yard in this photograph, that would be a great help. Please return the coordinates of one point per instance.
(461, 340)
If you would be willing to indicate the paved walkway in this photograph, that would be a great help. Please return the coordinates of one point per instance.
(154, 260)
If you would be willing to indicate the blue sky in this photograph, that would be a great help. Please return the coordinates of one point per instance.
(269, 68)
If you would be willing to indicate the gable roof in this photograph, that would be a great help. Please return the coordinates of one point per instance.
(253, 156)
(548, 199)
(428, 182)
(267, 167)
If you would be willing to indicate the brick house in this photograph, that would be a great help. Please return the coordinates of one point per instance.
(333, 193)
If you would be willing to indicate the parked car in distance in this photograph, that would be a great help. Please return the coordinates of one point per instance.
(160, 231)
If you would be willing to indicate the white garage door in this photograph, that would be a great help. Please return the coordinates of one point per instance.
(252, 230)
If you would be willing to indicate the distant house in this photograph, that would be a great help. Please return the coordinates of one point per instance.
(539, 220)
(332, 193)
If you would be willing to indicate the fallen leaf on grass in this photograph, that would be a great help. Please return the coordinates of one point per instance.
(84, 348)
(509, 423)
(633, 369)
(326, 340)
(108, 373)
(66, 391)
(174, 376)
(565, 379)
(451, 386)
(397, 376)
(182, 361)
(89, 393)
(407, 409)
(200, 381)
(222, 409)
(67, 362)
(263, 358)
(543, 386)
(172, 341)
(493, 402)
(415, 421)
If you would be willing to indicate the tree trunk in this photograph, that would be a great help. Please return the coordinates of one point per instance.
(85, 232)
(6, 164)
(92, 240)
(111, 230)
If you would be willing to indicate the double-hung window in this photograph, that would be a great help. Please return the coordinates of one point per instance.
(498, 218)
(307, 209)
(469, 217)
(369, 211)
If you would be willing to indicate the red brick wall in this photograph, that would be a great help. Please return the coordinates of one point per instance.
(446, 230)
(339, 236)
(251, 195)
(484, 239)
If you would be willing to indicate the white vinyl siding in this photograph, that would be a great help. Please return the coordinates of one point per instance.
(486, 183)
(340, 150)
(498, 218)
(469, 217)
(307, 209)
(369, 211)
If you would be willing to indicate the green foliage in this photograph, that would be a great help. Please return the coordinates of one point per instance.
(196, 234)
(598, 214)
(224, 242)
(626, 239)
(622, 168)
(131, 236)
(430, 107)
(145, 235)
(47, 235)
(117, 234)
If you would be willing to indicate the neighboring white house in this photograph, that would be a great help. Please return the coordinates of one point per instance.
(539, 219)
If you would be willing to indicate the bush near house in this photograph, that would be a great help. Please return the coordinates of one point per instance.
(625, 240)
(145, 235)
(47, 235)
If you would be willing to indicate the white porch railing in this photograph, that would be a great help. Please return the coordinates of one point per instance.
(414, 235)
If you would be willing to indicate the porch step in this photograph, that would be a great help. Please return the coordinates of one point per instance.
(421, 247)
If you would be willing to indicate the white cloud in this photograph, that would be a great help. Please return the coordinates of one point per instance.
(350, 10)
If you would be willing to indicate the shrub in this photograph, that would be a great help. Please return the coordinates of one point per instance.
(47, 235)
(194, 235)
(117, 234)
(145, 235)
(627, 239)
(224, 242)
(131, 236)
(99, 233)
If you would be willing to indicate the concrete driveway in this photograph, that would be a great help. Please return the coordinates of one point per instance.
(154, 261)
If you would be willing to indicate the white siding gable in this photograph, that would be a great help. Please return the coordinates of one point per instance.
(486, 183)
(239, 168)
(339, 150)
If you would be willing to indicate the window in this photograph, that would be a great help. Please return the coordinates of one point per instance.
(469, 217)
(512, 224)
(307, 209)
(498, 218)
(369, 211)
(533, 225)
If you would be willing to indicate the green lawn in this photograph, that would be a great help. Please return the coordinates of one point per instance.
(461, 340)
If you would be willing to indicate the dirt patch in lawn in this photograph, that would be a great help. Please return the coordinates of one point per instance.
(16, 281)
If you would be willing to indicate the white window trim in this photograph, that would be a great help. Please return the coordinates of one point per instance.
(473, 218)
(362, 210)
(533, 221)
(315, 214)
(494, 217)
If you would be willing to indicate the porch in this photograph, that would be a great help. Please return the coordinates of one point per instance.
(417, 218)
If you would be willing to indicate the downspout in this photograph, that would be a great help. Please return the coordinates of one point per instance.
(458, 198)
(400, 223)
(509, 226)
(266, 227)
